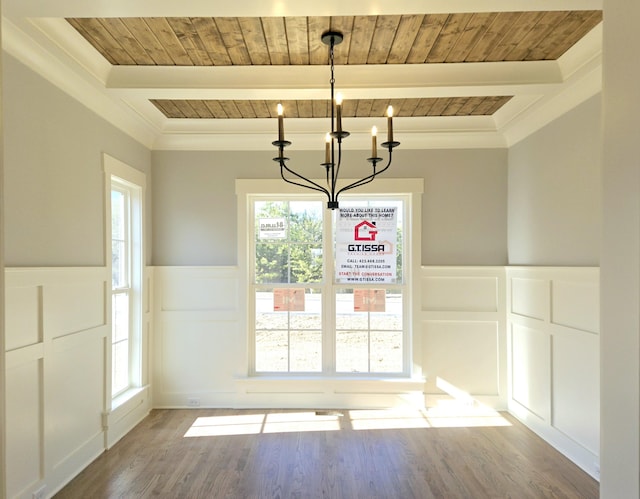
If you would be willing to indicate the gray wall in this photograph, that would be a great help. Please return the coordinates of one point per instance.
(464, 205)
(54, 195)
(555, 199)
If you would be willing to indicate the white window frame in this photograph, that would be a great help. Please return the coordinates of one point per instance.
(134, 182)
(249, 190)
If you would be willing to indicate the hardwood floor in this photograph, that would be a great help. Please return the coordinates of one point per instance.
(212, 453)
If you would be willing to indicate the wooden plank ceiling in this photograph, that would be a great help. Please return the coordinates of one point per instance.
(387, 39)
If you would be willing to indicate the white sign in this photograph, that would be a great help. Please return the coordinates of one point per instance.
(273, 228)
(366, 245)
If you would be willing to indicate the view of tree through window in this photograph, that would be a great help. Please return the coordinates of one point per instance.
(294, 254)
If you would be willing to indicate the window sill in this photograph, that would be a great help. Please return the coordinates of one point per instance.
(125, 397)
(342, 380)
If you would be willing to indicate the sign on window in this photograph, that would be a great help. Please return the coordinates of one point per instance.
(366, 239)
(369, 300)
(288, 299)
(273, 228)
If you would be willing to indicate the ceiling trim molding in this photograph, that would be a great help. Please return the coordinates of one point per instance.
(247, 142)
(308, 134)
(552, 107)
(64, 73)
(300, 82)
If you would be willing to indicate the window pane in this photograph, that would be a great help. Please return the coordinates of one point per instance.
(120, 316)
(311, 316)
(266, 316)
(346, 316)
(118, 213)
(306, 351)
(391, 317)
(352, 352)
(272, 263)
(120, 367)
(305, 221)
(386, 351)
(272, 351)
(306, 263)
(119, 278)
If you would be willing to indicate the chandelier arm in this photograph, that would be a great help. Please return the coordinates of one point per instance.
(365, 180)
(309, 185)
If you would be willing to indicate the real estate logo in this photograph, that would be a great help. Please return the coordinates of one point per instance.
(365, 231)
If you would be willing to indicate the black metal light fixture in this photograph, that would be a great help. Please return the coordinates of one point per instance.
(337, 134)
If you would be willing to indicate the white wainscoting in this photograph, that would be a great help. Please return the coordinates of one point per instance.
(554, 359)
(57, 329)
(201, 353)
(463, 315)
(198, 347)
(522, 338)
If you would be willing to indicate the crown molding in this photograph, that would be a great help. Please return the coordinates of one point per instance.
(56, 66)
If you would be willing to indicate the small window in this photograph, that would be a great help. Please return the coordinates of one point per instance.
(124, 234)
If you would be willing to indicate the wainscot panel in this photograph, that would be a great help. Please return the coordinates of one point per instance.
(464, 334)
(554, 363)
(530, 374)
(464, 354)
(23, 319)
(24, 424)
(529, 297)
(197, 343)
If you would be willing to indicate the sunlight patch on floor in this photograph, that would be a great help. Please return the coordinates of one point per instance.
(453, 414)
(285, 422)
(240, 424)
(248, 424)
(445, 414)
(387, 419)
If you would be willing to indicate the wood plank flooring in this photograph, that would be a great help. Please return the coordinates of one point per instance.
(214, 453)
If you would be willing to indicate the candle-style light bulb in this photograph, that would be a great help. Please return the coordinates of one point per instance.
(280, 123)
(374, 145)
(327, 149)
(339, 112)
(390, 124)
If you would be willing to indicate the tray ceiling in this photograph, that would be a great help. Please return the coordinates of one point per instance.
(448, 74)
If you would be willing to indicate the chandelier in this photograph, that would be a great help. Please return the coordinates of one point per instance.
(333, 153)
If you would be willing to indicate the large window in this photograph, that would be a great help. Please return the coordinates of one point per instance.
(124, 247)
(321, 305)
